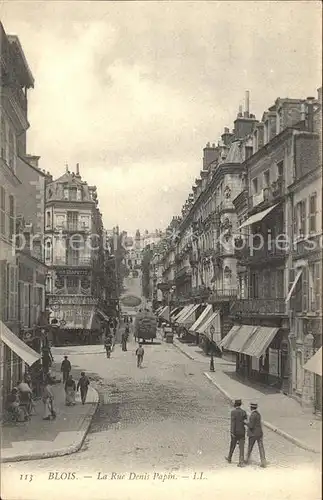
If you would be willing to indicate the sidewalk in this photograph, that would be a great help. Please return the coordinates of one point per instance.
(280, 413)
(39, 438)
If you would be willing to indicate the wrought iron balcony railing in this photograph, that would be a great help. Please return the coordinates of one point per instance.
(259, 307)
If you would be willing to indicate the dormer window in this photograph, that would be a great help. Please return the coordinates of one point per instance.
(73, 194)
(66, 197)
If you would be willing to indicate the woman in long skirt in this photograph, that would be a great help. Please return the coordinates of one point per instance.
(48, 402)
(70, 389)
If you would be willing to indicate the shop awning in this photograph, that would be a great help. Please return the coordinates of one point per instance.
(104, 316)
(225, 342)
(158, 310)
(23, 351)
(203, 317)
(257, 217)
(182, 313)
(213, 320)
(165, 313)
(161, 311)
(314, 364)
(259, 342)
(292, 288)
(238, 338)
(175, 312)
(189, 316)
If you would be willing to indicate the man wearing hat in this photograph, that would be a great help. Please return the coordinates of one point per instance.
(255, 434)
(238, 432)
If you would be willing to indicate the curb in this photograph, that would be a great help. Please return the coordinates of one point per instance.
(73, 448)
(182, 351)
(270, 426)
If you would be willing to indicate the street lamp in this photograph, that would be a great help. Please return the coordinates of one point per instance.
(212, 359)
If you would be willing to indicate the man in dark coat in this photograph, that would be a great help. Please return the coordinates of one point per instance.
(238, 432)
(65, 368)
(255, 434)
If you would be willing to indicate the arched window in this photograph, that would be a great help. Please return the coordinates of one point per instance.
(48, 219)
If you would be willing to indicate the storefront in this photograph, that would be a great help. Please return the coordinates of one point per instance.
(261, 353)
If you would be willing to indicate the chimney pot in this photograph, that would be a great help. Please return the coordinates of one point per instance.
(247, 102)
(77, 169)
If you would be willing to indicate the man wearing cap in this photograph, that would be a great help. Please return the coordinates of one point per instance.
(255, 434)
(238, 432)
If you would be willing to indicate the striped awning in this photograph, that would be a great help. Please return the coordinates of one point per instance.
(205, 329)
(257, 217)
(314, 364)
(161, 311)
(182, 313)
(165, 313)
(175, 311)
(259, 341)
(238, 337)
(203, 316)
(189, 316)
(104, 316)
(23, 351)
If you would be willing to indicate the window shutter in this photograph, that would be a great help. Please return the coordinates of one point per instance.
(317, 286)
(304, 278)
(303, 218)
(295, 222)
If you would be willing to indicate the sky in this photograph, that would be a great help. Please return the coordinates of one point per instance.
(133, 91)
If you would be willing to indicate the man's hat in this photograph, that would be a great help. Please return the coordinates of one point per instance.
(237, 402)
(253, 406)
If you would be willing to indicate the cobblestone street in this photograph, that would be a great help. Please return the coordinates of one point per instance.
(164, 417)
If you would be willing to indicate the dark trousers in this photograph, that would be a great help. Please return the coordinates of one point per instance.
(241, 441)
(124, 345)
(65, 376)
(260, 442)
(83, 394)
(139, 360)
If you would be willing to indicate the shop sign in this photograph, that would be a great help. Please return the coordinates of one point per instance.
(72, 272)
(273, 361)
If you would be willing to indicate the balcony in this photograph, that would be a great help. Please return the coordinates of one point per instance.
(73, 227)
(268, 195)
(249, 255)
(258, 307)
(81, 262)
(200, 293)
(184, 273)
(307, 246)
(223, 295)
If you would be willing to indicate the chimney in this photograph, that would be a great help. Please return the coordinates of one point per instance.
(247, 104)
(303, 112)
(78, 169)
(310, 113)
(240, 110)
(66, 168)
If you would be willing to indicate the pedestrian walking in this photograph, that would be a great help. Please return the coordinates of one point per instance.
(83, 385)
(70, 388)
(238, 432)
(65, 368)
(108, 346)
(140, 355)
(124, 341)
(255, 434)
(48, 401)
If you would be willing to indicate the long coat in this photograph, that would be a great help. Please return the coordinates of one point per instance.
(238, 418)
(254, 425)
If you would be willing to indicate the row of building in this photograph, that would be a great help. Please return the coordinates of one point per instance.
(247, 247)
(57, 263)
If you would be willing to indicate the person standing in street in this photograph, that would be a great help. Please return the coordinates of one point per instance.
(108, 346)
(124, 341)
(65, 368)
(255, 434)
(48, 401)
(238, 432)
(140, 355)
(70, 388)
(83, 385)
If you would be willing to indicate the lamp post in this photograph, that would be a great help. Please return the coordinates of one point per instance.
(170, 293)
(212, 358)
